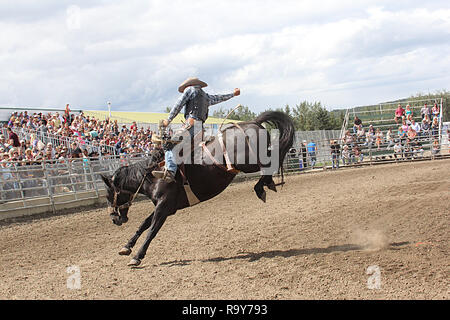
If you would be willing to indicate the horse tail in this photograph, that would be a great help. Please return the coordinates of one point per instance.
(281, 121)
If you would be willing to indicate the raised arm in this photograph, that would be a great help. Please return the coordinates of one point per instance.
(217, 98)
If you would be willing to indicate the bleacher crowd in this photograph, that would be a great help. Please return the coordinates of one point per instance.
(30, 138)
(408, 135)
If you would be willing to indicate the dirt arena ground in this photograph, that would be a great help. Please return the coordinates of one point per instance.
(314, 239)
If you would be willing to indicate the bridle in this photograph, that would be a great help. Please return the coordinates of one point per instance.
(128, 204)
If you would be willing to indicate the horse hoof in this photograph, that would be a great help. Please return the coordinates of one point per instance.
(125, 251)
(134, 262)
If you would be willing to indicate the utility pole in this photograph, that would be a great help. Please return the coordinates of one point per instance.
(109, 109)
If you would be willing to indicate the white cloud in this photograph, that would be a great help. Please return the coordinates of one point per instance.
(135, 54)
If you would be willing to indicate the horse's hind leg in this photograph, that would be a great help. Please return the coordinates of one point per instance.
(126, 250)
(265, 180)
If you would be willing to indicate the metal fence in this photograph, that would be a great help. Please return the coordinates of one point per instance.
(51, 179)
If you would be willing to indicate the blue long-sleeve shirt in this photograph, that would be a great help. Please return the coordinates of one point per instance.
(189, 93)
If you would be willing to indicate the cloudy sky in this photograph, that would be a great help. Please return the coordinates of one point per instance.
(135, 53)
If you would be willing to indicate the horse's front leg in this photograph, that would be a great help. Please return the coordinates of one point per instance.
(126, 250)
(162, 211)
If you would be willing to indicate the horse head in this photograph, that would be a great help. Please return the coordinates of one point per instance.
(119, 200)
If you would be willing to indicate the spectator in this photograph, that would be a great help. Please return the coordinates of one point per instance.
(425, 111)
(399, 113)
(303, 150)
(389, 139)
(335, 154)
(356, 124)
(405, 126)
(345, 155)
(76, 151)
(426, 127)
(3, 143)
(312, 149)
(360, 134)
(357, 155)
(435, 111)
(416, 127)
(409, 120)
(378, 138)
(13, 138)
(435, 127)
(398, 150)
(401, 134)
(348, 138)
(408, 111)
(51, 150)
(418, 150)
(411, 134)
(369, 139)
(408, 149)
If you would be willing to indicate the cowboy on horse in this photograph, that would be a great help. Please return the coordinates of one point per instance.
(196, 103)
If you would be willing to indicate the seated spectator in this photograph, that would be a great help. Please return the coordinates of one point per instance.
(51, 150)
(409, 120)
(435, 112)
(435, 127)
(426, 127)
(360, 134)
(398, 150)
(369, 139)
(405, 126)
(356, 124)
(418, 150)
(425, 111)
(348, 138)
(399, 113)
(378, 138)
(357, 155)
(408, 111)
(435, 147)
(29, 157)
(75, 152)
(3, 143)
(416, 127)
(408, 149)
(346, 159)
(13, 138)
(411, 134)
(389, 139)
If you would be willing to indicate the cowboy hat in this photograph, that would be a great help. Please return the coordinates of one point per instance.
(191, 82)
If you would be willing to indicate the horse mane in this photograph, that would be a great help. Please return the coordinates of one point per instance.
(127, 177)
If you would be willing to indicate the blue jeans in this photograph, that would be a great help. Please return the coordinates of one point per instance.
(171, 164)
(312, 157)
(335, 160)
(170, 161)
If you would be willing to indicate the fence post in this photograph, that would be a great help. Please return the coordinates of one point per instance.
(49, 188)
(94, 182)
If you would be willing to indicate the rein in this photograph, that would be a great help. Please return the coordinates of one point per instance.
(130, 202)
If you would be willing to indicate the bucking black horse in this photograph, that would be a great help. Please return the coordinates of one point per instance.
(205, 180)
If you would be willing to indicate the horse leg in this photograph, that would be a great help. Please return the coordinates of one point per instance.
(162, 211)
(126, 250)
(259, 189)
(265, 180)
